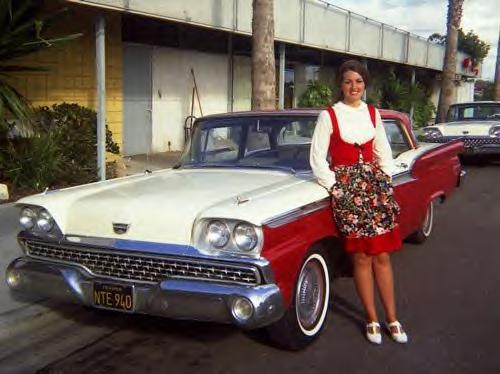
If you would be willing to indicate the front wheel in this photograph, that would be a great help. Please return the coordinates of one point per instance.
(425, 229)
(305, 317)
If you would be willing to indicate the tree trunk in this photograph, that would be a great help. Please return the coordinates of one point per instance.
(497, 73)
(263, 60)
(447, 93)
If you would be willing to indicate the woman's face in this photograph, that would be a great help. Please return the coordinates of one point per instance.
(353, 87)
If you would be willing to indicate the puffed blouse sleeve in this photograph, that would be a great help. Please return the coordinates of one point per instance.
(319, 151)
(382, 148)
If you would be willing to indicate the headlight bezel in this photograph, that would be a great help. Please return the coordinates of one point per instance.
(202, 243)
(432, 133)
(42, 222)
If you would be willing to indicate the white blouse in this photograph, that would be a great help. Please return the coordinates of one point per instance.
(355, 126)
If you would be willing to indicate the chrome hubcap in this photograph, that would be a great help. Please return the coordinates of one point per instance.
(310, 294)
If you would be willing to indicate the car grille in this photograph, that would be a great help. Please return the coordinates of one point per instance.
(139, 267)
(469, 142)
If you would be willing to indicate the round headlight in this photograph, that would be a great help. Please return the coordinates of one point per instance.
(245, 236)
(45, 222)
(218, 234)
(495, 132)
(27, 218)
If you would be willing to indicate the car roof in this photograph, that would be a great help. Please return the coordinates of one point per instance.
(286, 112)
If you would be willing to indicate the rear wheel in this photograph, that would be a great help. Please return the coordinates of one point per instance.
(305, 317)
(425, 228)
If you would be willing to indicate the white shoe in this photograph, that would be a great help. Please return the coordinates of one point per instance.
(373, 333)
(397, 332)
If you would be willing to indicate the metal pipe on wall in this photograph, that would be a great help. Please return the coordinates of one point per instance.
(281, 95)
(101, 95)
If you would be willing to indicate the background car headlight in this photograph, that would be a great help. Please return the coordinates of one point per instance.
(218, 234)
(28, 218)
(432, 133)
(495, 132)
(45, 222)
(245, 236)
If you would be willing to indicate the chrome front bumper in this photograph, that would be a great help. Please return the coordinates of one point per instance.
(173, 298)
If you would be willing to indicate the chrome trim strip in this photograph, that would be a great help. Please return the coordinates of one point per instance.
(294, 214)
(402, 178)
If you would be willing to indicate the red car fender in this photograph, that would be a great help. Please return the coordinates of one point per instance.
(286, 246)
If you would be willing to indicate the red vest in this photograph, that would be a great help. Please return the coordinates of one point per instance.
(342, 153)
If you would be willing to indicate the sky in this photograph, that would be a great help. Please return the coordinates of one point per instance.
(425, 17)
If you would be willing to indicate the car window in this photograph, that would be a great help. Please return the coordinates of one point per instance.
(396, 136)
(257, 138)
(269, 142)
(297, 132)
(221, 143)
(474, 111)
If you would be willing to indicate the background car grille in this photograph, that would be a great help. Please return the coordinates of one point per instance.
(469, 142)
(137, 267)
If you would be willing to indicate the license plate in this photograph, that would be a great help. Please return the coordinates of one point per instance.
(114, 296)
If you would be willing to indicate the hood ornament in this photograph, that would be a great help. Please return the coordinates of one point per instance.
(120, 228)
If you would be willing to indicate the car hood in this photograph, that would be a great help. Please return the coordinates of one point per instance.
(467, 128)
(163, 206)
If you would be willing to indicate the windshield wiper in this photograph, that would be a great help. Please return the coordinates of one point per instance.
(206, 165)
(255, 166)
(271, 167)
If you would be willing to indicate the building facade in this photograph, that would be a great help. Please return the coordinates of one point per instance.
(167, 61)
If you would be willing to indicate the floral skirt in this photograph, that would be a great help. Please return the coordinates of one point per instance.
(365, 209)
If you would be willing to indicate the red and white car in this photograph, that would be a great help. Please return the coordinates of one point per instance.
(239, 232)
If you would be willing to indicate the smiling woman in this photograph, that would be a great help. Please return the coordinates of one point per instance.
(358, 177)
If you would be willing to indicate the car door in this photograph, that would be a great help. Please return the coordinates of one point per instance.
(406, 187)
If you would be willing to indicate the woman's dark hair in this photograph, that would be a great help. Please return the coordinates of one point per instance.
(351, 65)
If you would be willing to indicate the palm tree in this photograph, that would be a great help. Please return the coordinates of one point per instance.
(450, 58)
(263, 60)
(497, 72)
(22, 33)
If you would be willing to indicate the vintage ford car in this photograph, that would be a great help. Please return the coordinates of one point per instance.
(238, 232)
(476, 123)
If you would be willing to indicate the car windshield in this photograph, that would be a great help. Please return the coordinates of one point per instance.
(474, 112)
(280, 143)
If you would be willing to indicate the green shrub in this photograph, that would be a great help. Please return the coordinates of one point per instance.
(33, 163)
(401, 96)
(317, 95)
(62, 150)
(75, 128)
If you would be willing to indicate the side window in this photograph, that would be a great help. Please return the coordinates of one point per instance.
(396, 137)
(257, 139)
(298, 132)
(221, 143)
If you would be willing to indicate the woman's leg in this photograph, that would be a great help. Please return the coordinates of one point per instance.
(385, 282)
(363, 279)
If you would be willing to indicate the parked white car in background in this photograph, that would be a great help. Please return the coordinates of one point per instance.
(476, 123)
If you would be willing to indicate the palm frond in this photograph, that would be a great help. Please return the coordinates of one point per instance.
(13, 101)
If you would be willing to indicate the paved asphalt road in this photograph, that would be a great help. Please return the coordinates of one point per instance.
(447, 293)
